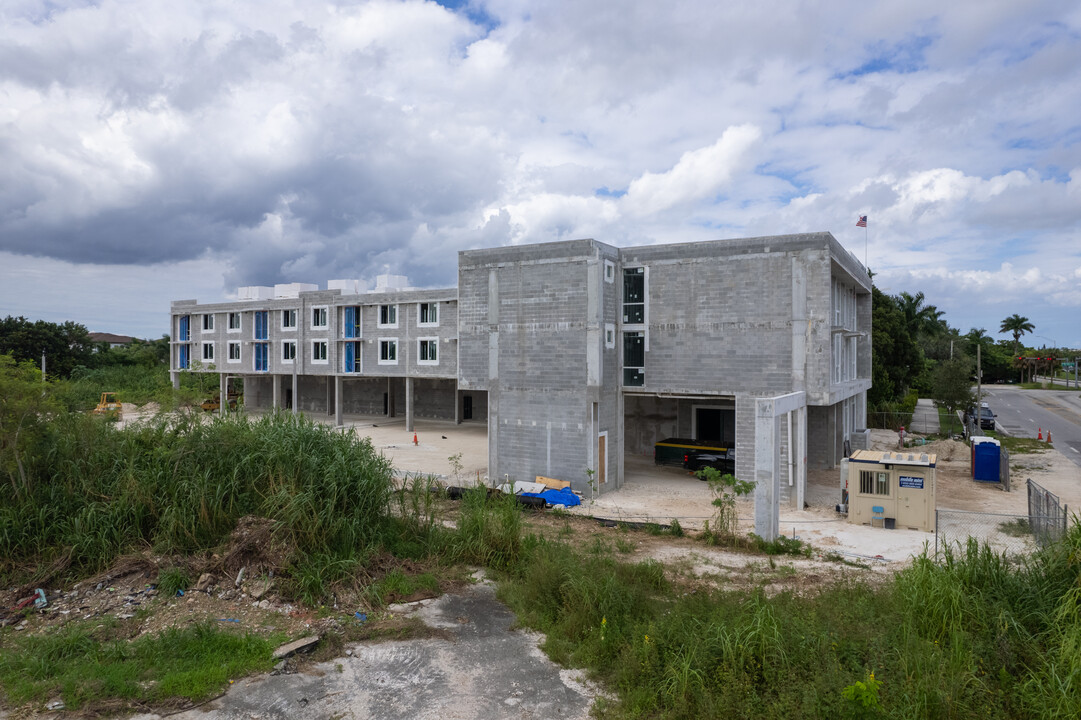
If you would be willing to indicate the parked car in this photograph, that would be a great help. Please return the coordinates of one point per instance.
(724, 461)
(986, 417)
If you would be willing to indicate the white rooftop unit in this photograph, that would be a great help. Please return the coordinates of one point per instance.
(386, 283)
(348, 287)
(255, 292)
(292, 290)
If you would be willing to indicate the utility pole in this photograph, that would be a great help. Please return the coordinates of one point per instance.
(979, 385)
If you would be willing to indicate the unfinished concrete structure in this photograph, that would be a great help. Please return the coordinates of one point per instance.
(589, 352)
(392, 351)
(578, 353)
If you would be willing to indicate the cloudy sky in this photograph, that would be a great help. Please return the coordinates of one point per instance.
(153, 150)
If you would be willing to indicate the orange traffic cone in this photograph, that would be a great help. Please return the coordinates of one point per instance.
(1039, 435)
(1048, 436)
(414, 438)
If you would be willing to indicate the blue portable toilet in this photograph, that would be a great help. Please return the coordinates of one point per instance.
(986, 459)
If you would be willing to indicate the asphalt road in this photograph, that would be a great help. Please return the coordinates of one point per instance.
(1025, 413)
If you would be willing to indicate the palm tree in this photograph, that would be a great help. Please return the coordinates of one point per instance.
(1017, 325)
(921, 319)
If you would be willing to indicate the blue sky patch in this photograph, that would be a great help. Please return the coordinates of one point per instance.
(906, 56)
(606, 192)
(476, 13)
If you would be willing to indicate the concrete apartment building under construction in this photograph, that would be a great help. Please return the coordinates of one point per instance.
(577, 354)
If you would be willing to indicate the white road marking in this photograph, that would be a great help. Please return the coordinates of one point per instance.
(1074, 449)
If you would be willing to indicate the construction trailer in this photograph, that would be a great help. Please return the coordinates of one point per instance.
(891, 489)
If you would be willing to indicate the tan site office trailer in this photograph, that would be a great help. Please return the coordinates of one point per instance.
(901, 483)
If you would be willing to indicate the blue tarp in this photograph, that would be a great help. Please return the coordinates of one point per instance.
(556, 497)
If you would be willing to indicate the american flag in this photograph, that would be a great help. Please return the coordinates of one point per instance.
(862, 222)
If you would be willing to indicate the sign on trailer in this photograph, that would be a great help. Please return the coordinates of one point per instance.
(907, 481)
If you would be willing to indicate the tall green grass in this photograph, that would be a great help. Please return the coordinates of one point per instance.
(976, 636)
(179, 485)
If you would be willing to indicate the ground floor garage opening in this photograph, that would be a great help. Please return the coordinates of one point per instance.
(652, 419)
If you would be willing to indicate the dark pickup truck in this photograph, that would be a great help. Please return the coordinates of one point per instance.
(695, 454)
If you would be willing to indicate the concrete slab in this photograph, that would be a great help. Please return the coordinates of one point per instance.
(487, 671)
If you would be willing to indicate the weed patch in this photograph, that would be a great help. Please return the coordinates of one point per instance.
(77, 664)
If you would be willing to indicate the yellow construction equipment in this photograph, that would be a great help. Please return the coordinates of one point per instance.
(214, 403)
(109, 404)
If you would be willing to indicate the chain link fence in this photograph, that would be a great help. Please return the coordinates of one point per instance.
(1047, 515)
(1005, 533)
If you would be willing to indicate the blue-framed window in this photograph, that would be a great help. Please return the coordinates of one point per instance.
(185, 328)
(262, 325)
(351, 361)
(183, 361)
(262, 354)
(351, 322)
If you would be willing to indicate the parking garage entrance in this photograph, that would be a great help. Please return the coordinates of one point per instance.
(651, 419)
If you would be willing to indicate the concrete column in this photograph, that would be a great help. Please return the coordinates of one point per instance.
(457, 404)
(276, 394)
(390, 397)
(767, 515)
(338, 381)
(174, 378)
(409, 404)
(294, 393)
(223, 394)
(801, 456)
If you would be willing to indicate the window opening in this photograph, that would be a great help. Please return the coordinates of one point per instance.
(262, 324)
(634, 359)
(428, 351)
(428, 314)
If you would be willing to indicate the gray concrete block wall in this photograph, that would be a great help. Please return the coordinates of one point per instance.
(821, 430)
(745, 444)
(648, 420)
(473, 325)
(543, 320)
(433, 398)
(364, 396)
(543, 436)
(480, 405)
(715, 325)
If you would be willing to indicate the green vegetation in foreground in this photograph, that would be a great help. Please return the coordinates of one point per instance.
(1020, 446)
(81, 665)
(976, 636)
(83, 492)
